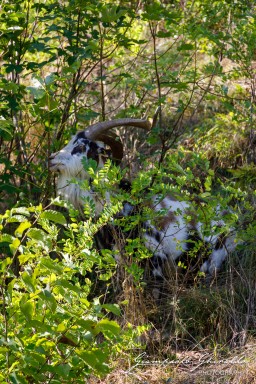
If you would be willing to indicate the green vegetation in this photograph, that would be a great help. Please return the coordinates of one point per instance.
(68, 312)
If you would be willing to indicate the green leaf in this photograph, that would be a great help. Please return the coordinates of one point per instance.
(18, 379)
(4, 264)
(40, 236)
(111, 13)
(21, 211)
(28, 281)
(164, 34)
(16, 219)
(40, 326)
(95, 359)
(153, 11)
(28, 309)
(26, 257)
(66, 284)
(5, 238)
(15, 244)
(186, 47)
(109, 328)
(6, 125)
(56, 217)
(114, 308)
(35, 360)
(61, 328)
(47, 296)
(62, 370)
(52, 265)
(87, 115)
(21, 228)
(37, 234)
(37, 46)
(14, 67)
(88, 325)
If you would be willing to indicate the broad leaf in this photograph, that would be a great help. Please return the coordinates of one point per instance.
(56, 217)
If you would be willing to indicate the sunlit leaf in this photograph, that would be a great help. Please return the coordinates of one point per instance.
(56, 217)
(108, 327)
(27, 309)
(22, 227)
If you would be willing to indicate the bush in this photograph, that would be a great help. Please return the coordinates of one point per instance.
(51, 330)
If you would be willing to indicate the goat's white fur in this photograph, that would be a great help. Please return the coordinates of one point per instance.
(71, 172)
(175, 233)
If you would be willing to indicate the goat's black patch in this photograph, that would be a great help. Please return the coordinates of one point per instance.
(197, 251)
(94, 151)
(192, 239)
(126, 185)
(157, 236)
(152, 232)
(79, 149)
(82, 143)
(80, 135)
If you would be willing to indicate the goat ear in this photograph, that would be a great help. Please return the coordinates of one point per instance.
(113, 141)
(100, 131)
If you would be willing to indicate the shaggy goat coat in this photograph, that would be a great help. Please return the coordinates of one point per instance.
(167, 240)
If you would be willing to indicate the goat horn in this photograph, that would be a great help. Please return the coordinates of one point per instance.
(93, 131)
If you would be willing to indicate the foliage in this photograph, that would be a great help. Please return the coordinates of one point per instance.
(66, 64)
(51, 330)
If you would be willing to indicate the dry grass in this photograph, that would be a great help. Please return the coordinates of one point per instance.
(199, 333)
(238, 367)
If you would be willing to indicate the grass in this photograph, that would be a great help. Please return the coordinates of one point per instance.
(199, 333)
(189, 367)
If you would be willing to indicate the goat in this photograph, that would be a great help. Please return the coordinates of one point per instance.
(173, 234)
